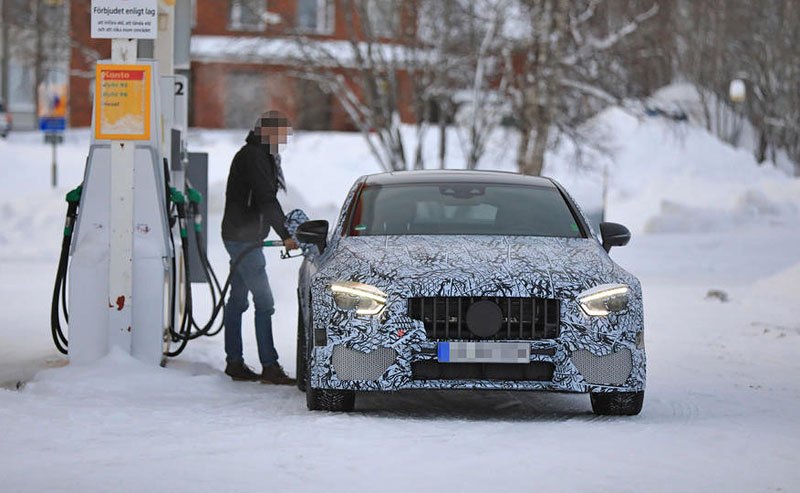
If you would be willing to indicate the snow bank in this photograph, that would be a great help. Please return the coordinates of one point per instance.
(133, 381)
(752, 207)
(658, 161)
(783, 285)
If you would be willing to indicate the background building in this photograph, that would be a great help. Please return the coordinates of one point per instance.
(247, 56)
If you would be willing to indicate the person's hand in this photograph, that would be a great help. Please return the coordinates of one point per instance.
(290, 244)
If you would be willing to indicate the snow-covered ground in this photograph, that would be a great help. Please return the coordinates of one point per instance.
(722, 404)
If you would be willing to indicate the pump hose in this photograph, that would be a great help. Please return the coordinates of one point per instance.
(211, 276)
(205, 330)
(216, 290)
(184, 332)
(185, 327)
(60, 285)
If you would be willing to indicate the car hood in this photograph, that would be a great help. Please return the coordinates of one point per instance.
(473, 265)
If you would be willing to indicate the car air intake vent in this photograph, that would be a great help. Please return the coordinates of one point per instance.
(611, 369)
(486, 318)
(355, 365)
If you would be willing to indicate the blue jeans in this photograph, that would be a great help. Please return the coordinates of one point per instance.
(250, 275)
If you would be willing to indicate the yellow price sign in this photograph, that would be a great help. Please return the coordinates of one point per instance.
(122, 109)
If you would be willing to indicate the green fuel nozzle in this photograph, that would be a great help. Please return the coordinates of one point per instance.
(74, 195)
(176, 196)
(195, 197)
(73, 198)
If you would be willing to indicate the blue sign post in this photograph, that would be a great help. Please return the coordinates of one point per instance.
(53, 128)
(52, 124)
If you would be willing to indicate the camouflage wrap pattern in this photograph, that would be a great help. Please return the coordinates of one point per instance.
(449, 266)
(294, 219)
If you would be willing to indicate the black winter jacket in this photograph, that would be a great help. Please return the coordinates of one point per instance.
(251, 203)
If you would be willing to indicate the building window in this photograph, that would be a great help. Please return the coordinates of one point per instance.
(313, 106)
(245, 98)
(248, 15)
(21, 13)
(315, 16)
(383, 17)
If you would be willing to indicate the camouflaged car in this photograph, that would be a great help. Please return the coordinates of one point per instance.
(467, 280)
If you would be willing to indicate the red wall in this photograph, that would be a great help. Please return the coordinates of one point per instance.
(84, 52)
(209, 79)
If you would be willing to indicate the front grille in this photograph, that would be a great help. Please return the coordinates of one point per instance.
(536, 371)
(526, 319)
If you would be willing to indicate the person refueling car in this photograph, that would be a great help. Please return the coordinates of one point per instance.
(251, 209)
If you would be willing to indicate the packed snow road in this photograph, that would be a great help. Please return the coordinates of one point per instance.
(720, 411)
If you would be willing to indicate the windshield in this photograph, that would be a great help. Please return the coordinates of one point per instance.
(462, 209)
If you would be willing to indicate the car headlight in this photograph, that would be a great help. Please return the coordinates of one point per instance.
(363, 298)
(604, 299)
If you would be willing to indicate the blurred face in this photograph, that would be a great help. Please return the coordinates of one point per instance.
(274, 130)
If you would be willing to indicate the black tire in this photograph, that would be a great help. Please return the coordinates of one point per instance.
(302, 345)
(339, 401)
(617, 403)
(319, 399)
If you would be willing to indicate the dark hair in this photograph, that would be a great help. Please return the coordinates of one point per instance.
(272, 119)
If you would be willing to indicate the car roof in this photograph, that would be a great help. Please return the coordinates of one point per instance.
(456, 176)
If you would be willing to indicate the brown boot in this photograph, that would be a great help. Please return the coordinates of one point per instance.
(241, 372)
(274, 374)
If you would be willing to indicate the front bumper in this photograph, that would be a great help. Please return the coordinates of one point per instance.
(371, 354)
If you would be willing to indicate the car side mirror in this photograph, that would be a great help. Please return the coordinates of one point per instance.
(313, 233)
(614, 235)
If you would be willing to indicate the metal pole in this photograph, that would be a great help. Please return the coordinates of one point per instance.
(164, 51)
(54, 167)
(5, 53)
(120, 272)
(605, 192)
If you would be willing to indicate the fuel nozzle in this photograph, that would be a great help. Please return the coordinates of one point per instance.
(74, 195)
(73, 199)
(177, 197)
(195, 199)
(279, 243)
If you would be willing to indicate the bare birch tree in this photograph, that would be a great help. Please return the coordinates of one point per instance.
(365, 74)
(556, 72)
(466, 38)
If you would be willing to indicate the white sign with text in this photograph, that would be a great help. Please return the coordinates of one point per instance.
(127, 19)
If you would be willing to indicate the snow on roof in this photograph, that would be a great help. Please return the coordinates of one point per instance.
(249, 49)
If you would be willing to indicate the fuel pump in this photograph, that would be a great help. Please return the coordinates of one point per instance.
(124, 273)
(187, 328)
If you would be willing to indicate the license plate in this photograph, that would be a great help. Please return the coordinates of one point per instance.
(484, 352)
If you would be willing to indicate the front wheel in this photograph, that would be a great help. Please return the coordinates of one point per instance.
(317, 399)
(617, 403)
(340, 401)
(302, 343)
